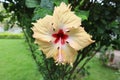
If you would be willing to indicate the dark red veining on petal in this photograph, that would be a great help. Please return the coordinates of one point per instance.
(60, 36)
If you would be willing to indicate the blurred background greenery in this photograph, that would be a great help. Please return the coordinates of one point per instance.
(100, 18)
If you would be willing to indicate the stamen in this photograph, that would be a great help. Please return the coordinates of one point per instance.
(67, 30)
(52, 23)
(53, 29)
(81, 25)
(50, 41)
(67, 42)
(71, 64)
(58, 48)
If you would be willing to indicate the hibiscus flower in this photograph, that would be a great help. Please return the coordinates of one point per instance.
(60, 36)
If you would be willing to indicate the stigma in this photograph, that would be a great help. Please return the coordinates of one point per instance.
(60, 36)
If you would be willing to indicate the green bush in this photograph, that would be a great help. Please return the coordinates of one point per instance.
(100, 19)
(7, 35)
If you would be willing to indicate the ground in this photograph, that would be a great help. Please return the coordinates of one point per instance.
(16, 63)
(100, 72)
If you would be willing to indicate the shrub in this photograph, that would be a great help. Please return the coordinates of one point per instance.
(100, 19)
(7, 35)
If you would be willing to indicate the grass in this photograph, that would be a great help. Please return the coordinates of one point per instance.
(100, 72)
(8, 35)
(16, 62)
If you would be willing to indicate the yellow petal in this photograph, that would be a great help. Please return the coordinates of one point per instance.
(66, 55)
(78, 38)
(43, 29)
(65, 17)
(48, 48)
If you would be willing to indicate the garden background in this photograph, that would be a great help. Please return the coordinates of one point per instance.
(20, 58)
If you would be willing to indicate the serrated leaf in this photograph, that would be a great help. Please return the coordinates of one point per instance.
(32, 3)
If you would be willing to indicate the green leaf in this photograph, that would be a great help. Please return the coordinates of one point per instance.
(57, 2)
(32, 3)
(40, 13)
(46, 4)
(45, 8)
(100, 30)
(82, 14)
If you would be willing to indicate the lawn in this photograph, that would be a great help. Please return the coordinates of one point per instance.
(100, 72)
(16, 63)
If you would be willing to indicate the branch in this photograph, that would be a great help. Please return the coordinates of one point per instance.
(78, 61)
(28, 41)
(46, 64)
(87, 60)
(31, 49)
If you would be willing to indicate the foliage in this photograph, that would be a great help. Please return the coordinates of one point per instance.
(106, 55)
(7, 18)
(103, 22)
(100, 19)
(2, 16)
(7, 35)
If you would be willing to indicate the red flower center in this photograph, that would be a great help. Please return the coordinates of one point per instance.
(60, 36)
